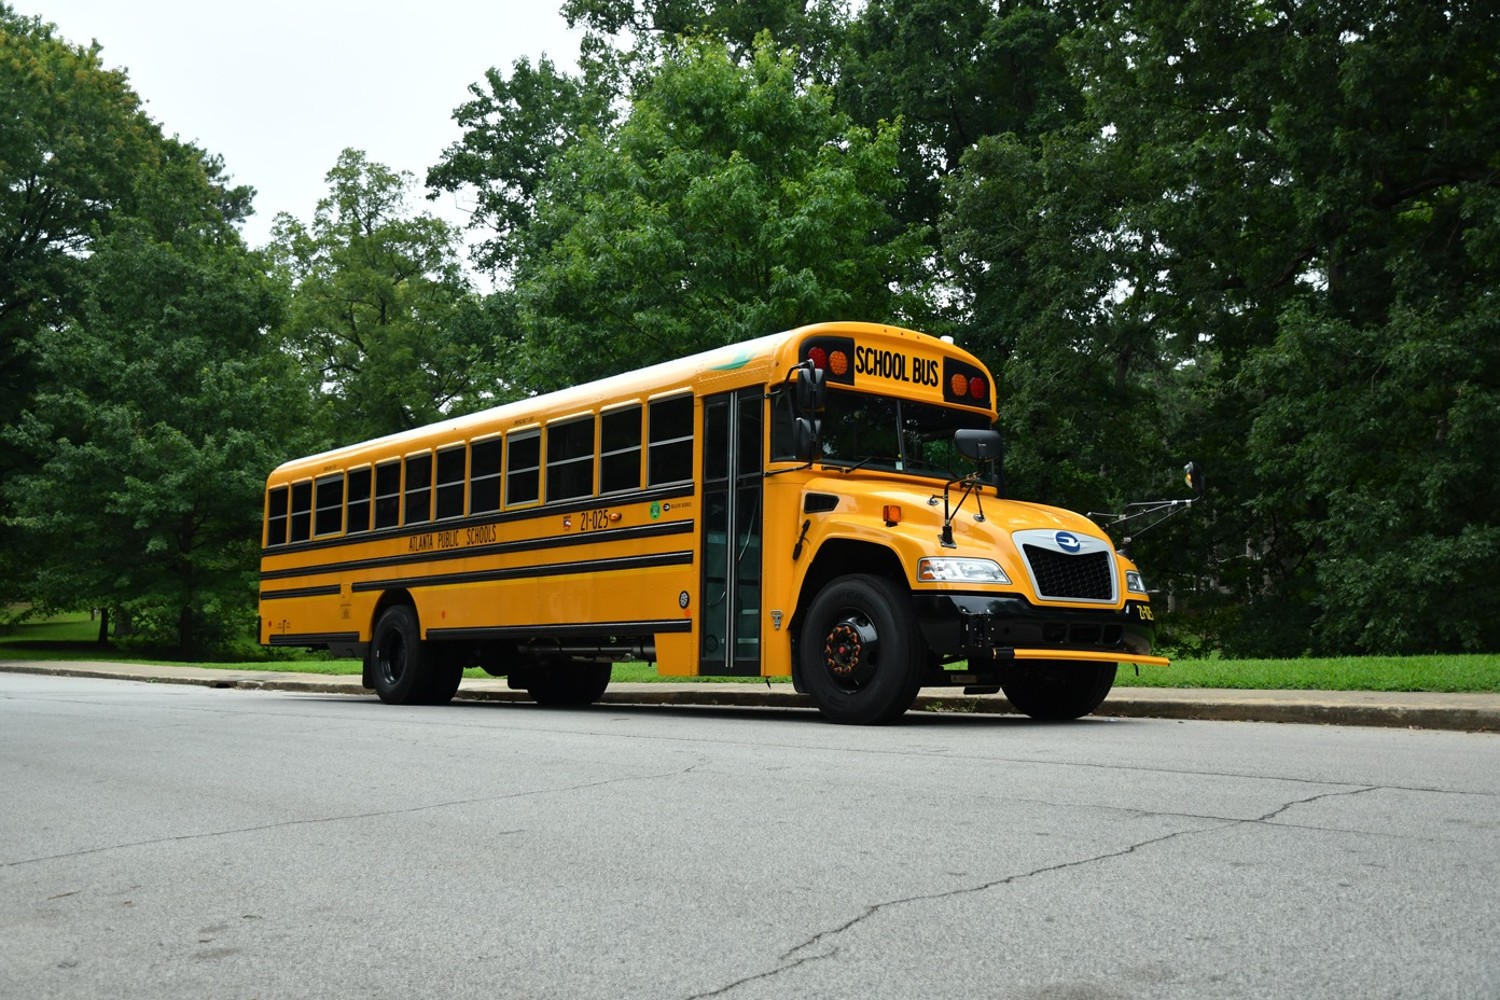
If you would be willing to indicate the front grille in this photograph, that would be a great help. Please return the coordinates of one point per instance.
(1086, 577)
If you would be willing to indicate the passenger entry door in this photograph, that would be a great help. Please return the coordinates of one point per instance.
(729, 600)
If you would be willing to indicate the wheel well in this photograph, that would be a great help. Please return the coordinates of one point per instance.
(389, 599)
(835, 558)
(841, 557)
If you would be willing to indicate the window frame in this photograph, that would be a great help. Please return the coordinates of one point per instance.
(565, 475)
(638, 449)
(514, 439)
(320, 485)
(678, 441)
(497, 478)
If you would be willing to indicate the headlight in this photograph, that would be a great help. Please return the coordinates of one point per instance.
(1134, 582)
(949, 569)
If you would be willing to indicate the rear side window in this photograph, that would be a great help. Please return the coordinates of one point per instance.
(620, 450)
(523, 465)
(301, 511)
(328, 505)
(484, 476)
(276, 516)
(418, 489)
(670, 449)
(450, 483)
(388, 495)
(570, 459)
(359, 500)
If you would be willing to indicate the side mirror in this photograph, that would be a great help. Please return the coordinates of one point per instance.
(811, 394)
(1194, 477)
(805, 432)
(979, 445)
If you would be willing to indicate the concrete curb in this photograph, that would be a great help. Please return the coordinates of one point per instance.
(1404, 710)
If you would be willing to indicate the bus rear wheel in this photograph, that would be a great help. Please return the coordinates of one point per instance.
(570, 684)
(1055, 691)
(860, 651)
(406, 670)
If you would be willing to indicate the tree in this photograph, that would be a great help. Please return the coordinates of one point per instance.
(163, 405)
(1063, 302)
(382, 315)
(733, 201)
(73, 141)
(807, 27)
(1298, 199)
(955, 72)
(512, 130)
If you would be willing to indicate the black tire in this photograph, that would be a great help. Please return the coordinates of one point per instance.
(861, 654)
(569, 684)
(447, 670)
(1059, 690)
(405, 669)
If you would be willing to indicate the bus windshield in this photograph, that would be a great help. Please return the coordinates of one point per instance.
(891, 434)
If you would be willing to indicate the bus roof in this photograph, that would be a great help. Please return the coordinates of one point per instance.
(765, 356)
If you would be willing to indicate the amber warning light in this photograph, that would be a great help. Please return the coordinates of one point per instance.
(835, 362)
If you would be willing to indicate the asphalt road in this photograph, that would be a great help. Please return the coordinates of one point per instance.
(175, 841)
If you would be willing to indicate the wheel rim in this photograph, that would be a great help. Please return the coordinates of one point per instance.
(851, 651)
(392, 658)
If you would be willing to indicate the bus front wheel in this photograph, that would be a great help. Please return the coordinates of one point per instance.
(861, 651)
(408, 671)
(1055, 691)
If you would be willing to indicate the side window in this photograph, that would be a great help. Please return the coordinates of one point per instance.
(450, 482)
(328, 505)
(484, 476)
(276, 516)
(388, 494)
(359, 499)
(783, 422)
(301, 511)
(570, 459)
(418, 489)
(669, 455)
(620, 450)
(523, 464)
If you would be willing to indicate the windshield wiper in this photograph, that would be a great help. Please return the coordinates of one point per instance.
(846, 469)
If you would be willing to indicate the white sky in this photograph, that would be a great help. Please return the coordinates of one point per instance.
(278, 88)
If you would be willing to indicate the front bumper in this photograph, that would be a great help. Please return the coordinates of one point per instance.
(986, 627)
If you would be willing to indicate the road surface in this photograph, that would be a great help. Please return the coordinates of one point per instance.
(172, 841)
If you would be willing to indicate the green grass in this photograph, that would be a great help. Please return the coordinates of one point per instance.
(71, 637)
(1475, 672)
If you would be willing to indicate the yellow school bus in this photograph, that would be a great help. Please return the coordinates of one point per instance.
(821, 503)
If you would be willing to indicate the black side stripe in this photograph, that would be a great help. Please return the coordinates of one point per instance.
(531, 572)
(325, 591)
(313, 638)
(492, 549)
(615, 500)
(596, 630)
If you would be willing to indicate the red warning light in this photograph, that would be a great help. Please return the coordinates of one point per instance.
(818, 357)
(976, 387)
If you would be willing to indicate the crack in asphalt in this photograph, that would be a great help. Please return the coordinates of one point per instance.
(790, 959)
(346, 817)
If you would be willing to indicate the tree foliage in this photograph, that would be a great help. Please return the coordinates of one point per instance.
(382, 316)
(1317, 183)
(162, 403)
(731, 201)
(1259, 234)
(513, 128)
